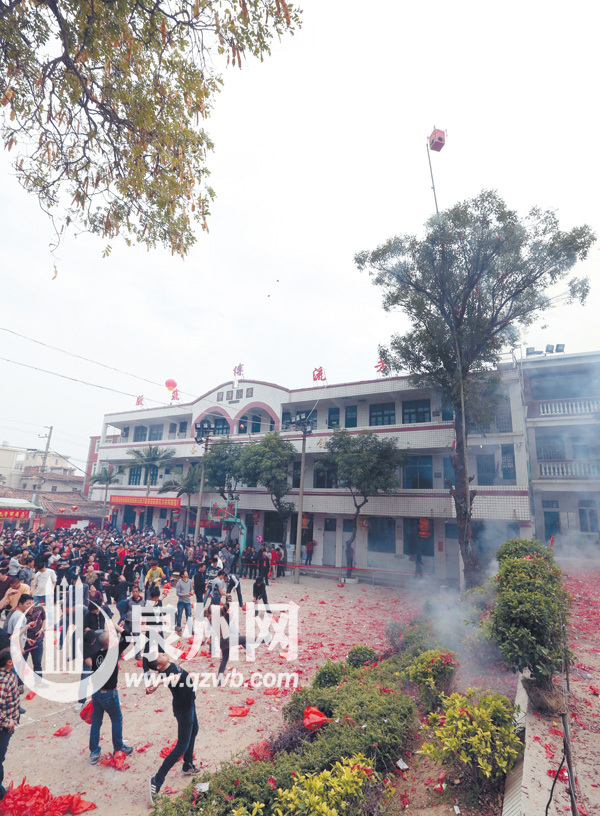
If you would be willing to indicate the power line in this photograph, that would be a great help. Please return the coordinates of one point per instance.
(87, 360)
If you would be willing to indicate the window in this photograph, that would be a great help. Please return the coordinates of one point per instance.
(588, 516)
(140, 433)
(351, 416)
(486, 468)
(182, 428)
(329, 525)
(418, 473)
(97, 445)
(163, 513)
(382, 534)
(333, 418)
(448, 472)
(286, 418)
(581, 448)
(172, 430)
(414, 544)
(348, 525)
(53, 489)
(383, 413)
(153, 472)
(125, 433)
(255, 423)
(416, 411)
(296, 466)
(325, 478)
(273, 528)
(447, 409)
(503, 421)
(243, 425)
(550, 504)
(550, 447)
(135, 475)
(221, 426)
(156, 433)
(508, 462)
(272, 424)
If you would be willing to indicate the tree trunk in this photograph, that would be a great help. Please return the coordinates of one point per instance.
(187, 514)
(463, 500)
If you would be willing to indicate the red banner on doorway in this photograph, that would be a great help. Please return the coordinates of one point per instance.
(146, 501)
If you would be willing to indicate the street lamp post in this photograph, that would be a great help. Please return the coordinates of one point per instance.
(202, 434)
(302, 423)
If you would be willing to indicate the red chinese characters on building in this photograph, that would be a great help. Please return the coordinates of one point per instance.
(319, 374)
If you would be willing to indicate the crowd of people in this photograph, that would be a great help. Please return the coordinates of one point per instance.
(119, 570)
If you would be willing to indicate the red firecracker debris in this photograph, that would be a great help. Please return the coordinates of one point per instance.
(63, 731)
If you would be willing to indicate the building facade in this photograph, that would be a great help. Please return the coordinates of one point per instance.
(562, 397)
(388, 536)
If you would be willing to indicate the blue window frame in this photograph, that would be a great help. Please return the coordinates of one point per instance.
(221, 426)
(140, 433)
(255, 423)
(135, 475)
(156, 433)
(333, 418)
(351, 416)
(382, 413)
(414, 411)
(418, 473)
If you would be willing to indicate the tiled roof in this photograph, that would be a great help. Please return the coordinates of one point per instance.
(52, 502)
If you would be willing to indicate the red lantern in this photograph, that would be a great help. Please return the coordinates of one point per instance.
(424, 528)
(437, 140)
(61, 509)
(73, 507)
(171, 385)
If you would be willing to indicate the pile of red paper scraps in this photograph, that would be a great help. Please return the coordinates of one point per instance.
(36, 800)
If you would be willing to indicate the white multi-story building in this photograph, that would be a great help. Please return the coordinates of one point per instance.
(562, 394)
(388, 535)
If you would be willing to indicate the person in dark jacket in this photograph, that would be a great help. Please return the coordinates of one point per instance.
(184, 710)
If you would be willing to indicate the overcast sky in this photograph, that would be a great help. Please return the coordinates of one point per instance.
(320, 152)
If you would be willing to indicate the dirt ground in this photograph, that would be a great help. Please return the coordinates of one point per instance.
(331, 620)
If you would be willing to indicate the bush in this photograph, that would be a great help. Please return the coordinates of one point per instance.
(417, 637)
(342, 790)
(393, 630)
(530, 572)
(477, 733)
(527, 626)
(329, 674)
(433, 674)
(361, 656)
(520, 547)
(480, 644)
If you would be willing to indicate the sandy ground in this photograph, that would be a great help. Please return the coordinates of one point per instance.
(331, 620)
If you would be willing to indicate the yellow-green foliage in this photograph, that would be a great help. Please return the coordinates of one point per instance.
(433, 672)
(477, 731)
(329, 793)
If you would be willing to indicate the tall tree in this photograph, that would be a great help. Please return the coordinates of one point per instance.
(150, 459)
(106, 476)
(366, 466)
(187, 485)
(104, 105)
(267, 463)
(478, 275)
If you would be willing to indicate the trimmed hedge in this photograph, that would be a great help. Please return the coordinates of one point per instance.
(520, 547)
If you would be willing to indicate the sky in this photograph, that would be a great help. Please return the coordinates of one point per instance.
(320, 152)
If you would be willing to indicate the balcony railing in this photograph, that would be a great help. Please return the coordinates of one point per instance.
(569, 470)
(568, 407)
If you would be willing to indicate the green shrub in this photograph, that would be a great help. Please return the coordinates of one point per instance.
(528, 573)
(361, 656)
(393, 630)
(520, 547)
(341, 790)
(527, 627)
(480, 644)
(329, 674)
(433, 674)
(417, 637)
(476, 732)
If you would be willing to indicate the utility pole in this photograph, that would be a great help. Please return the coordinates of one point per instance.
(202, 436)
(38, 484)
